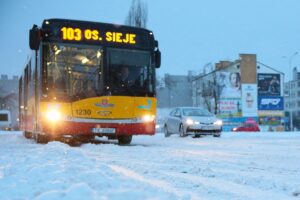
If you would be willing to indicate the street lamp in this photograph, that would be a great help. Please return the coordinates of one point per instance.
(290, 89)
(290, 64)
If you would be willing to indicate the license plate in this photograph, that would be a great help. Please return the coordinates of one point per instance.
(104, 130)
(207, 128)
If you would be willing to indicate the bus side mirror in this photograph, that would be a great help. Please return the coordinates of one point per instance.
(157, 58)
(34, 37)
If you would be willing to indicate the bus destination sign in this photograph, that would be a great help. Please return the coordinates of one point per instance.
(79, 34)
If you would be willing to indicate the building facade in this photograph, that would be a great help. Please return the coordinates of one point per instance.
(243, 89)
(9, 97)
(292, 101)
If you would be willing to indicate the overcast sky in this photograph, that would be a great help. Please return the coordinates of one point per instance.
(191, 33)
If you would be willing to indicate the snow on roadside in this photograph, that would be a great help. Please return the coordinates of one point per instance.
(235, 166)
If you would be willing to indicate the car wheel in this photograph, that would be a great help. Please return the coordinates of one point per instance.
(166, 131)
(182, 132)
(217, 134)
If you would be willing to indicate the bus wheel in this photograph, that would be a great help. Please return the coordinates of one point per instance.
(124, 139)
(86, 138)
(75, 143)
(41, 139)
(27, 134)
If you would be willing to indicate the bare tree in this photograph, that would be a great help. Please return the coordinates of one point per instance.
(170, 84)
(215, 93)
(210, 97)
(210, 88)
(138, 14)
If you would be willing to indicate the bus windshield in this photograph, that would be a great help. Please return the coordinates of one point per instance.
(77, 72)
(130, 73)
(73, 71)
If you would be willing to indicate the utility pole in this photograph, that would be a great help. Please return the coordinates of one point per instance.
(290, 90)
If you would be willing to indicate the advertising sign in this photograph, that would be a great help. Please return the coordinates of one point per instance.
(274, 113)
(229, 84)
(268, 84)
(229, 108)
(271, 120)
(270, 103)
(249, 100)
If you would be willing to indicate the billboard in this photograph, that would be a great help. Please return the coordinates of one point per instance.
(270, 103)
(228, 84)
(237, 120)
(249, 100)
(268, 84)
(229, 108)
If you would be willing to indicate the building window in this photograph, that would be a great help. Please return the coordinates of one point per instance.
(286, 87)
(293, 94)
(286, 93)
(290, 105)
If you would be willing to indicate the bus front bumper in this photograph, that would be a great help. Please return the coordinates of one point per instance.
(104, 129)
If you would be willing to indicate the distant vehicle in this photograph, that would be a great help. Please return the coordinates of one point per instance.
(192, 121)
(5, 120)
(249, 126)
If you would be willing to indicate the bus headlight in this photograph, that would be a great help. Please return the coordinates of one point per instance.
(148, 118)
(145, 119)
(53, 115)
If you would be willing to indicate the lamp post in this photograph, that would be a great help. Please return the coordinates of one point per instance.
(290, 89)
(207, 65)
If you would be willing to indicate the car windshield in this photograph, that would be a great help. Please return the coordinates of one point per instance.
(196, 112)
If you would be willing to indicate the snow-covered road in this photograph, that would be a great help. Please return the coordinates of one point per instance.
(235, 166)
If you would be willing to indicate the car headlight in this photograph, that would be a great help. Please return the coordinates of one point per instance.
(218, 122)
(189, 122)
(234, 129)
(53, 115)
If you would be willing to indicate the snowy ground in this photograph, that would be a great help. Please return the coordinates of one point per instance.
(235, 166)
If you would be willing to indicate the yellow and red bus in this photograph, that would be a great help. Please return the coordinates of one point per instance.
(72, 85)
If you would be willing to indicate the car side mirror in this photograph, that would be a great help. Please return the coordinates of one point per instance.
(34, 37)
